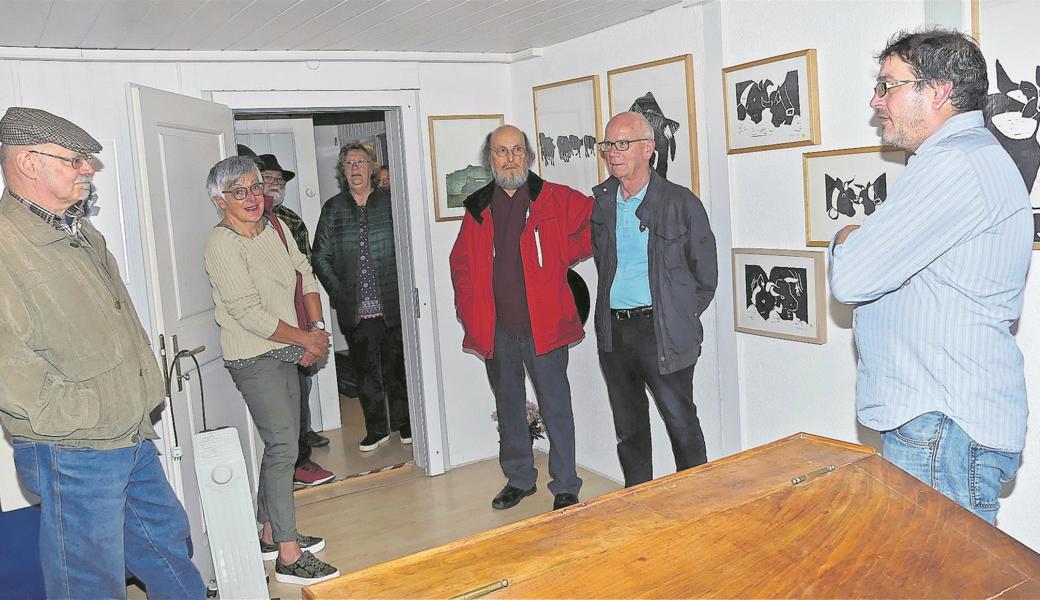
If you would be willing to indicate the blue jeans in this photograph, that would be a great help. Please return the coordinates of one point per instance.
(106, 512)
(937, 451)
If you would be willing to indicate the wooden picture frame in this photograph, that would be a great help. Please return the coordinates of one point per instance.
(455, 142)
(1005, 30)
(750, 91)
(780, 294)
(843, 187)
(663, 91)
(567, 119)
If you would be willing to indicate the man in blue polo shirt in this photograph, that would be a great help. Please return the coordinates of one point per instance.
(655, 254)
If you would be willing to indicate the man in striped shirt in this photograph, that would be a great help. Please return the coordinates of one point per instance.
(937, 276)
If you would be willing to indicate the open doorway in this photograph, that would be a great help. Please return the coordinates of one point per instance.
(308, 144)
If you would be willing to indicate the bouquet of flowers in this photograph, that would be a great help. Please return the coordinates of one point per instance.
(535, 427)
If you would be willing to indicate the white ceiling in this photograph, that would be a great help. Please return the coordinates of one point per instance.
(280, 25)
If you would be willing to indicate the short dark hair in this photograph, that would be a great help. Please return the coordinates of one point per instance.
(937, 54)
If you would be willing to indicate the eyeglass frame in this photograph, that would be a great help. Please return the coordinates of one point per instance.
(883, 87)
(274, 179)
(606, 145)
(80, 158)
(357, 163)
(240, 193)
(516, 151)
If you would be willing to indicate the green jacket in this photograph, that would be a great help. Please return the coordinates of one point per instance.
(336, 252)
(75, 364)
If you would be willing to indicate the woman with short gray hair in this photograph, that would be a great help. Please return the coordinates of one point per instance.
(254, 275)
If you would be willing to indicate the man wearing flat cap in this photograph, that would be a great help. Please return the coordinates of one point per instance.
(78, 379)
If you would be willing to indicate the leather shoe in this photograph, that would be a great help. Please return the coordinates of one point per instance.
(564, 500)
(511, 496)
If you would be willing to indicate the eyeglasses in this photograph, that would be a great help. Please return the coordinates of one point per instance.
(240, 193)
(619, 145)
(881, 89)
(273, 179)
(503, 152)
(355, 163)
(76, 162)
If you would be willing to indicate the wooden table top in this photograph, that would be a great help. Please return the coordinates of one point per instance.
(733, 528)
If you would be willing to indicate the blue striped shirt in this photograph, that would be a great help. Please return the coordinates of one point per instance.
(937, 274)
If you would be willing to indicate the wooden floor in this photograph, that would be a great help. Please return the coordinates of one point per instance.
(343, 457)
(391, 515)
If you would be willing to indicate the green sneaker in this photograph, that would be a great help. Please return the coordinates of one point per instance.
(307, 570)
(307, 542)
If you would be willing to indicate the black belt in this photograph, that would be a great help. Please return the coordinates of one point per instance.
(624, 314)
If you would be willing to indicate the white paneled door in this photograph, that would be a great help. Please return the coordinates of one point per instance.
(176, 140)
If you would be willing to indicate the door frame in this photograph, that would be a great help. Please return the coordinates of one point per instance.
(411, 228)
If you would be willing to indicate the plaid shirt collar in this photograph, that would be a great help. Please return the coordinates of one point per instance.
(70, 224)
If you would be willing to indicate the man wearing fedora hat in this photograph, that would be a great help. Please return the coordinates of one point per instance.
(78, 379)
(307, 471)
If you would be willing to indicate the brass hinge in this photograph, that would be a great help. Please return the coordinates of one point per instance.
(812, 475)
(482, 591)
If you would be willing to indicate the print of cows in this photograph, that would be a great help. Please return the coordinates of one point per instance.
(545, 144)
(1014, 118)
(754, 97)
(589, 143)
(567, 146)
(843, 196)
(778, 296)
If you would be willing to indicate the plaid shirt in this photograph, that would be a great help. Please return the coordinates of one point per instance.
(296, 227)
(70, 224)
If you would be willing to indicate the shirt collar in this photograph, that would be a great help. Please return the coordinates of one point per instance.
(638, 196)
(954, 125)
(69, 224)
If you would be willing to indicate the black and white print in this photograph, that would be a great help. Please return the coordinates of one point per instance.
(780, 293)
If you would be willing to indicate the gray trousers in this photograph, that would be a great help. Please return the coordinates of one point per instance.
(549, 375)
(271, 389)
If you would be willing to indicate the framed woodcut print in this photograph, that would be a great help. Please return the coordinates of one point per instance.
(455, 142)
(567, 120)
(662, 91)
(780, 293)
(772, 103)
(1006, 32)
(844, 187)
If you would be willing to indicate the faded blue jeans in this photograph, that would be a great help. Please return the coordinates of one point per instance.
(106, 512)
(937, 451)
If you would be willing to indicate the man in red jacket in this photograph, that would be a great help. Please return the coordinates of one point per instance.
(509, 267)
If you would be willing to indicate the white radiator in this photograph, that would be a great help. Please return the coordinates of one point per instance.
(228, 511)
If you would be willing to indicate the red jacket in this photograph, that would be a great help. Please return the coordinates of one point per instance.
(556, 236)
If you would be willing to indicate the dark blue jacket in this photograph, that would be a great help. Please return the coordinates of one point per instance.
(683, 267)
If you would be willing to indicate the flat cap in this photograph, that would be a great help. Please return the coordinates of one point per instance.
(22, 126)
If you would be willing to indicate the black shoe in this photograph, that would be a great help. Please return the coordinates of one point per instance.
(373, 441)
(564, 500)
(406, 434)
(315, 440)
(511, 496)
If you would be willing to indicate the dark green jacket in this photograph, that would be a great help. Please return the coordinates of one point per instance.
(336, 250)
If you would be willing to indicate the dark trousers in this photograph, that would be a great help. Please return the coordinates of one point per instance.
(549, 375)
(629, 369)
(304, 454)
(377, 353)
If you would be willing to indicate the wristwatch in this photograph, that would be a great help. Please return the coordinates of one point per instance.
(316, 325)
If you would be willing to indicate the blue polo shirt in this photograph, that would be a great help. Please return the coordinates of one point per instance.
(631, 285)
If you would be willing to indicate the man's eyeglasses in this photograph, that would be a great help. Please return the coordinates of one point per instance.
(881, 89)
(619, 145)
(240, 193)
(355, 163)
(503, 152)
(76, 162)
(273, 179)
